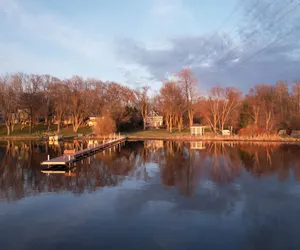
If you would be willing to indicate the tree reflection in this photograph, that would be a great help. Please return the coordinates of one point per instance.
(181, 165)
(225, 163)
(20, 169)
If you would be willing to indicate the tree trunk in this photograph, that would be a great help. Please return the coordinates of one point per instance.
(180, 122)
(58, 126)
(171, 121)
(191, 117)
(7, 127)
(144, 123)
(30, 121)
(49, 124)
(167, 122)
(75, 127)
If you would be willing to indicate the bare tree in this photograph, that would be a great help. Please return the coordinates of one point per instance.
(79, 104)
(117, 99)
(262, 101)
(143, 102)
(58, 92)
(8, 101)
(171, 101)
(231, 98)
(211, 107)
(189, 85)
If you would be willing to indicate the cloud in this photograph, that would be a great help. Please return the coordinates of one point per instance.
(231, 59)
(46, 42)
(47, 26)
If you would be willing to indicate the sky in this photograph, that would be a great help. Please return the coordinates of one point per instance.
(143, 42)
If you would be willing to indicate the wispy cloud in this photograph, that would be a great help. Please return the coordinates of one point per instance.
(54, 28)
(225, 59)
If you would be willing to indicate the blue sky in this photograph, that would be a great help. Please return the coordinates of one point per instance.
(139, 42)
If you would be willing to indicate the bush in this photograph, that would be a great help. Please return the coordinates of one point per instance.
(104, 126)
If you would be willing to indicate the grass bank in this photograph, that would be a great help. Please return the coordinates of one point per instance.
(39, 130)
(162, 134)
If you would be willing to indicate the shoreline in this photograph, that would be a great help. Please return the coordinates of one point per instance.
(211, 139)
(167, 138)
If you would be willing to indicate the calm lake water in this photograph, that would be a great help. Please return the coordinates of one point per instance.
(152, 195)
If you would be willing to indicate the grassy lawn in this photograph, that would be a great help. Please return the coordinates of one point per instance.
(154, 133)
(40, 129)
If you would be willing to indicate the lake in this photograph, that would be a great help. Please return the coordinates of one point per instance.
(152, 195)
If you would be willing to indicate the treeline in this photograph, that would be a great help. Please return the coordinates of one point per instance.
(45, 97)
(48, 98)
(265, 107)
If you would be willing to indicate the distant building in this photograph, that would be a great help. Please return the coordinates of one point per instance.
(197, 130)
(22, 115)
(93, 120)
(226, 132)
(282, 132)
(295, 133)
(65, 121)
(154, 120)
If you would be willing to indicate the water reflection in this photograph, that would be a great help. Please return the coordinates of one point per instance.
(182, 165)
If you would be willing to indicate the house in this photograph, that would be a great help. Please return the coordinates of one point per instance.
(282, 132)
(22, 115)
(197, 130)
(154, 120)
(92, 121)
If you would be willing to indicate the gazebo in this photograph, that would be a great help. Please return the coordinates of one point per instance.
(197, 130)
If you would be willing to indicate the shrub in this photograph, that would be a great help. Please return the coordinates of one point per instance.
(104, 126)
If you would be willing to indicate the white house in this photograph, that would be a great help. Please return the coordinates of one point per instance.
(154, 120)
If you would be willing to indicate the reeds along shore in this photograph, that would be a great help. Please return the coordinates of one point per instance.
(274, 138)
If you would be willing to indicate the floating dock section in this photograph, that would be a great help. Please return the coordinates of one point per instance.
(72, 156)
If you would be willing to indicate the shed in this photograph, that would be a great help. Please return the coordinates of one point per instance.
(295, 133)
(197, 130)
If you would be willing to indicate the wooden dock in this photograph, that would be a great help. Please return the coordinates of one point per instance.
(74, 156)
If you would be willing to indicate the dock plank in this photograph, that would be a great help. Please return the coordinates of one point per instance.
(60, 160)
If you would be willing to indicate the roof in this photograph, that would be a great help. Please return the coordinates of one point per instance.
(153, 113)
(198, 125)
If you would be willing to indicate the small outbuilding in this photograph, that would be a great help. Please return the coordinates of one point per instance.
(197, 130)
(295, 133)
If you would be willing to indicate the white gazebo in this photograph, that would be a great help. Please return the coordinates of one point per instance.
(197, 130)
